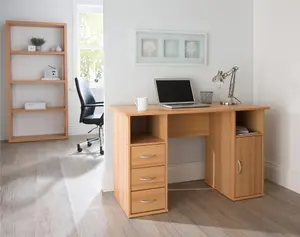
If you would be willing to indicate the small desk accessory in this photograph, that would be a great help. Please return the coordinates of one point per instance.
(141, 103)
(206, 97)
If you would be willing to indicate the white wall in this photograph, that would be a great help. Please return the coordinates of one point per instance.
(1, 51)
(277, 83)
(230, 28)
(36, 10)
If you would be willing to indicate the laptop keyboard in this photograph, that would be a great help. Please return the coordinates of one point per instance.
(180, 104)
(193, 105)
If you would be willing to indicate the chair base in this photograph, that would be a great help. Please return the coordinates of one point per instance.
(89, 141)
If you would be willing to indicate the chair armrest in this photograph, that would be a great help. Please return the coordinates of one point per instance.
(94, 105)
(100, 102)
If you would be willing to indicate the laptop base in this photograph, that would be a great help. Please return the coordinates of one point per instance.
(184, 106)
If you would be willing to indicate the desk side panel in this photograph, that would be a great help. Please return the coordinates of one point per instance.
(220, 167)
(122, 160)
(212, 148)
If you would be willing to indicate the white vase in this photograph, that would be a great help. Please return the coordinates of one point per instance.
(58, 48)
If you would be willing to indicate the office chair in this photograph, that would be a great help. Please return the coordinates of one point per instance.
(87, 115)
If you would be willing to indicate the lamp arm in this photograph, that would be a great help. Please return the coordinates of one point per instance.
(230, 72)
(232, 85)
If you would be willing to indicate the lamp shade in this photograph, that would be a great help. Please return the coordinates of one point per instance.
(219, 78)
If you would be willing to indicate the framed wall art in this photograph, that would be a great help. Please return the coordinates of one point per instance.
(166, 47)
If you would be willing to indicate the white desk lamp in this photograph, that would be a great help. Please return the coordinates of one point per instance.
(220, 78)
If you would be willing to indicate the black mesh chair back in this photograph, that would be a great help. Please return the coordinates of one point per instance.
(86, 96)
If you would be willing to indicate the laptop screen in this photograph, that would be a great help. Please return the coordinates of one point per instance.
(174, 91)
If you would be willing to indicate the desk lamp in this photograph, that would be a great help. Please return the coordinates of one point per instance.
(220, 78)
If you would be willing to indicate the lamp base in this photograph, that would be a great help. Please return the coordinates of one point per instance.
(231, 101)
(228, 103)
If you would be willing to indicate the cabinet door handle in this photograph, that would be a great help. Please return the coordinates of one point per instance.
(147, 179)
(147, 201)
(147, 157)
(240, 167)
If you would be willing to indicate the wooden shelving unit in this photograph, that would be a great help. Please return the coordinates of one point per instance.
(11, 83)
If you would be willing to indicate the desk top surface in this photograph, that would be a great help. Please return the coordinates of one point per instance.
(130, 110)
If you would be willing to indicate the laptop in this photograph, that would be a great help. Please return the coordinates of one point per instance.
(176, 94)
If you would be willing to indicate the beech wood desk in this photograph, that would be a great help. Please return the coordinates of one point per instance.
(234, 164)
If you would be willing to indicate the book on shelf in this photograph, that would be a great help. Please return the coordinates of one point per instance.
(50, 79)
(35, 105)
(241, 130)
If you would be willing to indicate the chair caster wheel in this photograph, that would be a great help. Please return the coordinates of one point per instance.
(89, 144)
(79, 149)
(102, 153)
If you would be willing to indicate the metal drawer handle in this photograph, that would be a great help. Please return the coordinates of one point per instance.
(147, 179)
(147, 201)
(147, 157)
(240, 167)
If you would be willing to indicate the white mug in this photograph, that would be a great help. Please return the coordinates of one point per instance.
(141, 103)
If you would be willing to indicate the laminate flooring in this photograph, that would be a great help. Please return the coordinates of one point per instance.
(47, 189)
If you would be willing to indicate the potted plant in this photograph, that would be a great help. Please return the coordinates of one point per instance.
(38, 42)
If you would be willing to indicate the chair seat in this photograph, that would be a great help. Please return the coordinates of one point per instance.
(95, 119)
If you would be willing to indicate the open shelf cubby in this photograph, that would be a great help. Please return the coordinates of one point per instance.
(147, 130)
(252, 120)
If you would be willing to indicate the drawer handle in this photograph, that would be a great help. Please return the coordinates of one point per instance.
(147, 179)
(147, 157)
(147, 201)
(240, 167)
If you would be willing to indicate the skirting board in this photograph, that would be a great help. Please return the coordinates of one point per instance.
(288, 178)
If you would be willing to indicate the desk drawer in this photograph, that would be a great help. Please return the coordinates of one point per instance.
(147, 178)
(148, 200)
(145, 156)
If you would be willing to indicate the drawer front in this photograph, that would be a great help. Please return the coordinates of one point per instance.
(145, 156)
(146, 178)
(148, 200)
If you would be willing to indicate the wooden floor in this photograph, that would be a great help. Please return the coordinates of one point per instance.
(47, 189)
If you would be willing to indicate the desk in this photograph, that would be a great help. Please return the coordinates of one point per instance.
(234, 164)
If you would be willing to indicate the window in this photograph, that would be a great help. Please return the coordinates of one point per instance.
(90, 42)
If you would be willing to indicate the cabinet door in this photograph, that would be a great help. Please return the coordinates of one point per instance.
(249, 167)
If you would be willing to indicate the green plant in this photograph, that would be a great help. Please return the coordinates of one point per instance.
(37, 41)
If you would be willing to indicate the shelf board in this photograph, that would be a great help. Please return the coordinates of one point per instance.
(22, 110)
(145, 139)
(38, 82)
(36, 24)
(37, 138)
(256, 134)
(20, 52)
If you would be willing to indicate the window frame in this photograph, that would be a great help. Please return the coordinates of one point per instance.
(79, 7)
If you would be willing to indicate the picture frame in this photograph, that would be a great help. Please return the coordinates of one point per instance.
(31, 48)
(171, 48)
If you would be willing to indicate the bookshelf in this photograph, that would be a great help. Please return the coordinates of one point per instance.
(33, 83)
